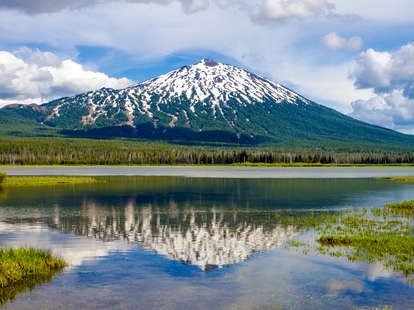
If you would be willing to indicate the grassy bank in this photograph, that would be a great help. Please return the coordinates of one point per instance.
(246, 164)
(399, 179)
(377, 235)
(33, 181)
(318, 165)
(18, 265)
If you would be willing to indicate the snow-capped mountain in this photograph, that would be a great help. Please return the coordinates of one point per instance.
(207, 101)
(192, 96)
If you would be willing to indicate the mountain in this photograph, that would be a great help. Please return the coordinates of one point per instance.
(207, 101)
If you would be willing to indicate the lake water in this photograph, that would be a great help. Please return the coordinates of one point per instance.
(154, 242)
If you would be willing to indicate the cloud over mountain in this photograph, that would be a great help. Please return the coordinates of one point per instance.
(391, 76)
(280, 10)
(50, 6)
(32, 75)
(261, 11)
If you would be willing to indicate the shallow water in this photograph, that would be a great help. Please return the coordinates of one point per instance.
(195, 243)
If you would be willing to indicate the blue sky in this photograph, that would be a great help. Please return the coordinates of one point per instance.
(355, 57)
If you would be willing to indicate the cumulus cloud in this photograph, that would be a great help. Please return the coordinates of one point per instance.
(391, 76)
(35, 76)
(262, 11)
(333, 41)
(275, 11)
(51, 6)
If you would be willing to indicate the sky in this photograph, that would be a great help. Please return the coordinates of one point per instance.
(354, 56)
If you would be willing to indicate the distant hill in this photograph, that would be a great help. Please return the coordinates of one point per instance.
(205, 102)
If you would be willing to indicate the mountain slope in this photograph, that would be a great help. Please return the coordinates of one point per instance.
(210, 101)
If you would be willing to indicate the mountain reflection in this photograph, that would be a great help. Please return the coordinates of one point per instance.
(207, 239)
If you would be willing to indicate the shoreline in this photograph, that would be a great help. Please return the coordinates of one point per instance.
(243, 165)
(215, 171)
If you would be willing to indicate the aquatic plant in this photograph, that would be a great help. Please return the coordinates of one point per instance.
(26, 181)
(18, 265)
(381, 235)
(405, 205)
(398, 179)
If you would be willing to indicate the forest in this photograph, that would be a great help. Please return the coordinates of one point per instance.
(65, 151)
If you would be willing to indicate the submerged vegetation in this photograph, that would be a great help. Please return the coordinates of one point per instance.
(383, 235)
(17, 265)
(30, 181)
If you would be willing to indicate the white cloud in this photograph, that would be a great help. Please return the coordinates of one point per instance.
(282, 10)
(52, 6)
(333, 41)
(191, 6)
(35, 76)
(169, 31)
(262, 11)
(395, 11)
(391, 76)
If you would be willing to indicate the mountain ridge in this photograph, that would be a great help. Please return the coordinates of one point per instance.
(207, 101)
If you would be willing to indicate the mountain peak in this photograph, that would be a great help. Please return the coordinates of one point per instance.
(207, 101)
(190, 96)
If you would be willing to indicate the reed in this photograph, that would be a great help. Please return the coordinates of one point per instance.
(18, 265)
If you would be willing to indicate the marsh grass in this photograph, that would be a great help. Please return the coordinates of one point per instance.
(22, 269)
(18, 265)
(398, 179)
(405, 205)
(378, 235)
(34, 181)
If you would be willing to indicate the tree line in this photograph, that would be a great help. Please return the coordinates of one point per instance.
(61, 151)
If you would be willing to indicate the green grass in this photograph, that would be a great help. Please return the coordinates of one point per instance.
(34, 181)
(399, 179)
(17, 265)
(405, 205)
(253, 165)
(378, 235)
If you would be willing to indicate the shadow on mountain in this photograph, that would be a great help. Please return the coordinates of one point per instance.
(147, 131)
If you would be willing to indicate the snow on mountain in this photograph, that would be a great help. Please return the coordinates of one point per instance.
(207, 87)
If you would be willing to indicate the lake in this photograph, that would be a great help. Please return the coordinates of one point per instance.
(173, 242)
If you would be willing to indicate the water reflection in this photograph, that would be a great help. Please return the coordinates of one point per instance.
(208, 239)
(127, 240)
(28, 285)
